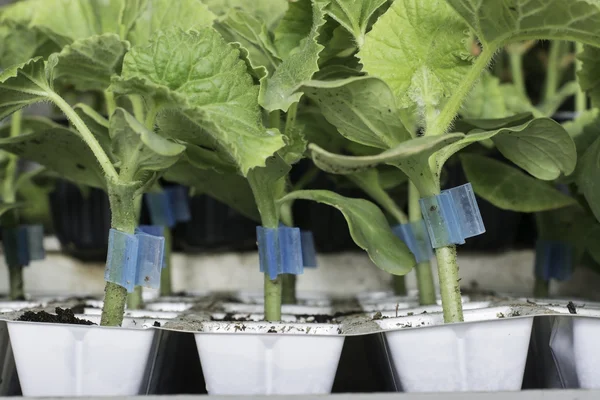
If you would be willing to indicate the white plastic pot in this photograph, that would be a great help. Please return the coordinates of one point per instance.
(485, 353)
(79, 360)
(243, 358)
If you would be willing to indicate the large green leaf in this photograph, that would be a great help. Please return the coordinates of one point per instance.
(412, 157)
(17, 43)
(61, 150)
(588, 171)
(510, 189)
(23, 85)
(229, 188)
(541, 147)
(418, 48)
(89, 63)
(368, 227)
(268, 185)
(354, 15)
(209, 85)
(139, 149)
(502, 21)
(269, 11)
(294, 26)
(363, 109)
(279, 91)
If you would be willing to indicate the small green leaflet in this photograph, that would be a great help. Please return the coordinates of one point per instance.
(363, 109)
(510, 189)
(368, 227)
(502, 21)
(209, 85)
(279, 91)
(418, 48)
(354, 15)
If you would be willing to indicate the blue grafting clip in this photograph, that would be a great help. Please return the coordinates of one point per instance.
(415, 236)
(154, 230)
(178, 197)
(309, 254)
(452, 216)
(134, 260)
(279, 251)
(553, 260)
(161, 212)
(23, 244)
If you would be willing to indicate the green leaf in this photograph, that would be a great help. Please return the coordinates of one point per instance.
(295, 145)
(363, 109)
(368, 227)
(584, 129)
(278, 92)
(504, 21)
(412, 157)
(510, 189)
(294, 26)
(6, 207)
(268, 184)
(339, 45)
(23, 85)
(269, 11)
(469, 124)
(229, 188)
(89, 63)
(138, 148)
(541, 147)
(486, 100)
(317, 130)
(354, 15)
(588, 76)
(588, 171)
(208, 86)
(61, 150)
(418, 47)
(17, 43)
(143, 18)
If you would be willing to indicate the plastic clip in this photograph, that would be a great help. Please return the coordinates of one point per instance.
(279, 251)
(415, 235)
(154, 230)
(168, 206)
(309, 254)
(134, 260)
(23, 244)
(452, 216)
(553, 260)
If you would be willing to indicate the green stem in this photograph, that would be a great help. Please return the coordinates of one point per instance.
(275, 119)
(424, 272)
(516, 69)
(450, 110)
(553, 70)
(9, 194)
(137, 106)
(541, 288)
(17, 291)
(290, 119)
(381, 197)
(449, 283)
(111, 104)
(272, 298)
(123, 219)
(580, 95)
(306, 178)
(166, 288)
(86, 135)
(135, 300)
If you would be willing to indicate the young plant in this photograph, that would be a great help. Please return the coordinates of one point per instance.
(419, 57)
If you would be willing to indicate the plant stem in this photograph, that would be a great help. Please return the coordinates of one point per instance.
(275, 119)
(516, 69)
(449, 283)
(272, 298)
(553, 70)
(450, 110)
(166, 288)
(541, 288)
(111, 104)
(135, 300)
(17, 291)
(137, 107)
(424, 272)
(580, 95)
(123, 219)
(86, 135)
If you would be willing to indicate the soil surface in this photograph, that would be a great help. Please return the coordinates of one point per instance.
(63, 316)
(302, 318)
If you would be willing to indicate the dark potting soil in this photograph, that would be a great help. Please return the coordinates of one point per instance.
(307, 318)
(63, 316)
(571, 307)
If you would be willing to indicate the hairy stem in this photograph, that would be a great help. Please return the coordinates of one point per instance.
(449, 283)
(580, 95)
(450, 110)
(424, 272)
(86, 135)
(166, 288)
(137, 106)
(553, 70)
(111, 104)
(516, 69)
(123, 219)
(541, 288)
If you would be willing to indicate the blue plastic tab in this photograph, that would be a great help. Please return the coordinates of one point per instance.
(415, 235)
(178, 197)
(154, 230)
(553, 260)
(279, 251)
(23, 244)
(309, 254)
(134, 260)
(161, 212)
(452, 216)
